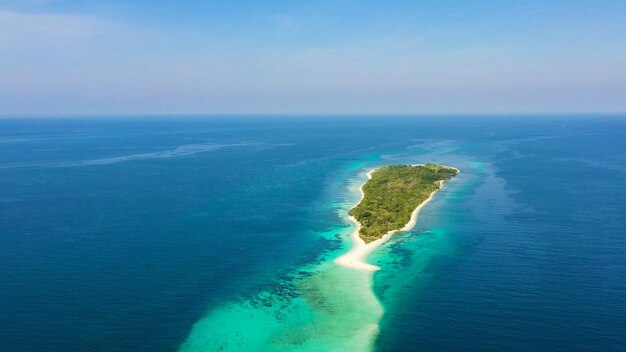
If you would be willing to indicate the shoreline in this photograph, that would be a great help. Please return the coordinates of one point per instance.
(356, 257)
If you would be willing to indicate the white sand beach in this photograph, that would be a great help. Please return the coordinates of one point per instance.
(355, 258)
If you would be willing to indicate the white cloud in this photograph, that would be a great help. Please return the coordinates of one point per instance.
(19, 31)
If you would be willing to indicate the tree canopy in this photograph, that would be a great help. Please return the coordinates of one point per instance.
(393, 193)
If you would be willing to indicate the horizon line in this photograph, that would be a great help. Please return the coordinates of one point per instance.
(304, 114)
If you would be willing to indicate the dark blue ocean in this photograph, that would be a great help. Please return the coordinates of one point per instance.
(119, 234)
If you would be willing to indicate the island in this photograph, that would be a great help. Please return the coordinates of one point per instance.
(393, 194)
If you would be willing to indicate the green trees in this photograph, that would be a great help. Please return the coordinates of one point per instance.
(393, 193)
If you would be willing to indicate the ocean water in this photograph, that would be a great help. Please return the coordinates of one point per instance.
(208, 234)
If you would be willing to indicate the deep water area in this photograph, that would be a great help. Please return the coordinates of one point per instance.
(220, 233)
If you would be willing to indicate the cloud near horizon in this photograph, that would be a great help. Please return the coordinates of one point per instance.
(289, 61)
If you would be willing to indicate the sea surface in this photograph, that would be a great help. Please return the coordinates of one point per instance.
(220, 233)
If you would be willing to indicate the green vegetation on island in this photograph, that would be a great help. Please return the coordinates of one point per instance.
(393, 193)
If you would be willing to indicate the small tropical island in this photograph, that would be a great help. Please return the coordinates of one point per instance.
(393, 193)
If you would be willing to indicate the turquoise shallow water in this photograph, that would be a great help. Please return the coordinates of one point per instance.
(331, 307)
(327, 307)
(219, 234)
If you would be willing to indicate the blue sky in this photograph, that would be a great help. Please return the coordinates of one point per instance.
(409, 57)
